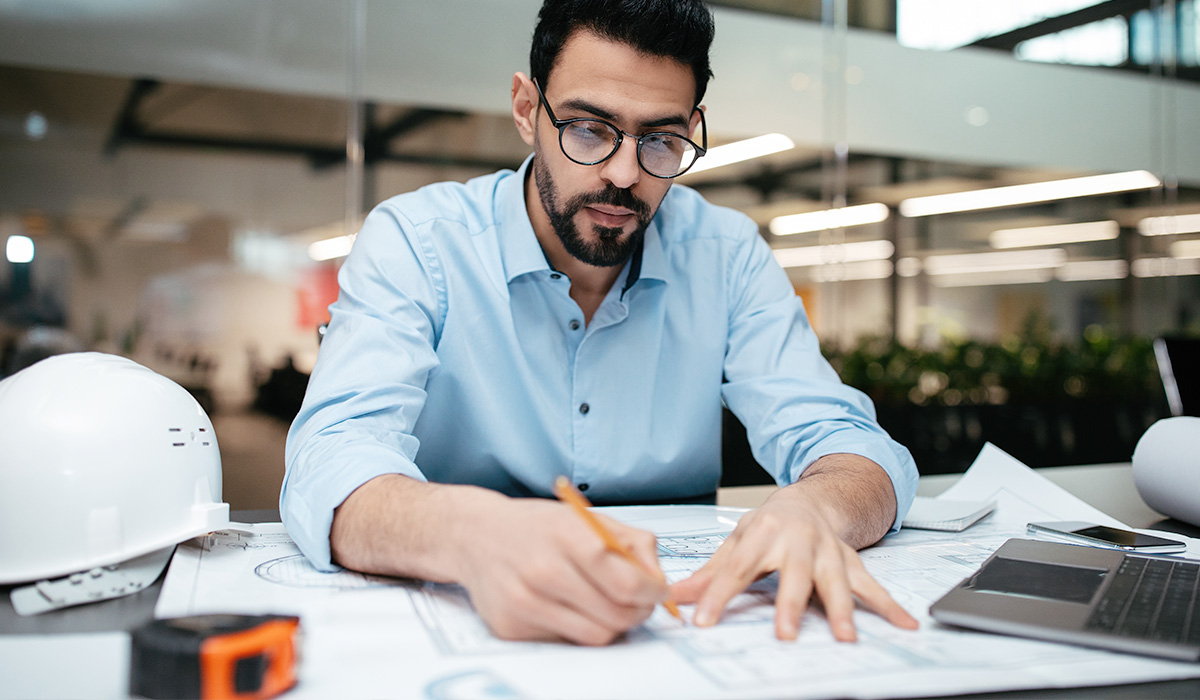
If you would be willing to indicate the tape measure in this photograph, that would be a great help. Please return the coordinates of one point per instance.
(215, 656)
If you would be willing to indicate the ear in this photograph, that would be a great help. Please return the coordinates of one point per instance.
(524, 106)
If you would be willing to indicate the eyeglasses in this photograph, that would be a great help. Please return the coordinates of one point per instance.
(589, 141)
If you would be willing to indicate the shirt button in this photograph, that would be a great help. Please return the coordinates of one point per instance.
(555, 275)
(583, 487)
(584, 408)
(573, 325)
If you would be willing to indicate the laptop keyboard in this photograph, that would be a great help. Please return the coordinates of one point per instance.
(1151, 599)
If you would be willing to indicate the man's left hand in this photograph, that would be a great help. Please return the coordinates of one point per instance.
(796, 532)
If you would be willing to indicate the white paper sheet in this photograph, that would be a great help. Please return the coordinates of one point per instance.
(375, 637)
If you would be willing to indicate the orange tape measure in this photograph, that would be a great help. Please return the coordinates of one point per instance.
(215, 656)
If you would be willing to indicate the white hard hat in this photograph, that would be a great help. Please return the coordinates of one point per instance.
(101, 460)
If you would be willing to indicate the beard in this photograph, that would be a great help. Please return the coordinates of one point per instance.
(611, 247)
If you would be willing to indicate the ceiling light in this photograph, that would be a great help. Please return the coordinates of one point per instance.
(1167, 225)
(1003, 261)
(1165, 267)
(908, 267)
(1084, 270)
(36, 126)
(841, 217)
(865, 270)
(1186, 249)
(987, 279)
(1013, 195)
(19, 249)
(738, 151)
(330, 248)
(1059, 234)
(808, 256)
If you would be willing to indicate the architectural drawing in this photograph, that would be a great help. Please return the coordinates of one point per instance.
(389, 637)
(295, 571)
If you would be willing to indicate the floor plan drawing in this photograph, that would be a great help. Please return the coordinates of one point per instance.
(379, 637)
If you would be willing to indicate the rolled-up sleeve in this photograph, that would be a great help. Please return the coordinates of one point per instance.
(794, 406)
(368, 386)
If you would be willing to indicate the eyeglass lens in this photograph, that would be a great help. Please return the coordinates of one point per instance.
(662, 154)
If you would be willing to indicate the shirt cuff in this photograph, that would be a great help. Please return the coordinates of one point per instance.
(307, 502)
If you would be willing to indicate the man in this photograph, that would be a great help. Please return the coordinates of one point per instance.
(583, 317)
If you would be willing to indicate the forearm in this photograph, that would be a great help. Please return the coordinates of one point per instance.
(854, 494)
(399, 526)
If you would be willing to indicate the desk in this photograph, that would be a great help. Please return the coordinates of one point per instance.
(1108, 487)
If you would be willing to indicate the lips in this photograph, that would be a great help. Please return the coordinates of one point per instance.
(610, 216)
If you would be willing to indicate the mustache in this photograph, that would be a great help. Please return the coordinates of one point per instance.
(614, 196)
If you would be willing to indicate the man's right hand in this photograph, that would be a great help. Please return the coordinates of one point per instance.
(533, 568)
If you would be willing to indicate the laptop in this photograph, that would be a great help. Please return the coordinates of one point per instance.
(1094, 597)
(1179, 366)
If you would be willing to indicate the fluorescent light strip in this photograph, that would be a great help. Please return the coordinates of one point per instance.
(812, 255)
(1186, 249)
(864, 270)
(1165, 267)
(1090, 270)
(330, 248)
(738, 151)
(1013, 195)
(841, 217)
(1004, 261)
(1169, 225)
(987, 279)
(1060, 234)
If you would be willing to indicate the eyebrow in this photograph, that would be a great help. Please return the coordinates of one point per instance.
(581, 105)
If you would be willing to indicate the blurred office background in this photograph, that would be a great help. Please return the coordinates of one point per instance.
(179, 182)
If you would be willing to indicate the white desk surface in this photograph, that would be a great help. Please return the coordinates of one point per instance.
(1108, 487)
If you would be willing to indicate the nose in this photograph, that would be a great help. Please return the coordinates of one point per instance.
(622, 168)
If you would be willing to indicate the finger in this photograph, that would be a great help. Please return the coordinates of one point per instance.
(876, 597)
(557, 622)
(833, 587)
(736, 571)
(643, 545)
(614, 594)
(690, 589)
(791, 599)
(621, 582)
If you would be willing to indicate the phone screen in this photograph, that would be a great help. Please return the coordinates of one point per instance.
(1123, 538)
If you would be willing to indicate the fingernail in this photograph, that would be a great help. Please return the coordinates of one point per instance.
(846, 632)
(704, 618)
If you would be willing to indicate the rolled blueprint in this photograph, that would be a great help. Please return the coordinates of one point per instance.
(1166, 468)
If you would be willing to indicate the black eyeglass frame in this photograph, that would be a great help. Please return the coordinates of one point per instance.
(562, 124)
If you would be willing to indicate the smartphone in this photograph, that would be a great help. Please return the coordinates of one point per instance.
(1104, 536)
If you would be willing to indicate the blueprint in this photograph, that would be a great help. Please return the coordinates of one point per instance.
(371, 636)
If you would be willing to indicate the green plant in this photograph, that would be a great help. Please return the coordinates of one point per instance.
(1030, 368)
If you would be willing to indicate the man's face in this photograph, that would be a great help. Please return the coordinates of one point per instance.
(601, 211)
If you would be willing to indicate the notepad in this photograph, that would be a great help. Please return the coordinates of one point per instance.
(946, 514)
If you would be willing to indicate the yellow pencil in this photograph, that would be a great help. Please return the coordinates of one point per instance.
(567, 493)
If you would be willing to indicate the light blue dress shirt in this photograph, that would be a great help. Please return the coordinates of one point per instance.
(456, 355)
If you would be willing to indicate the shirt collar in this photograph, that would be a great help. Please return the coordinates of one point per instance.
(523, 254)
(519, 245)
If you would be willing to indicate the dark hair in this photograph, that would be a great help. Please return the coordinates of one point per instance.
(678, 29)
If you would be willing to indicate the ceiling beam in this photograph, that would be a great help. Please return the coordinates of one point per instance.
(128, 129)
(1051, 25)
